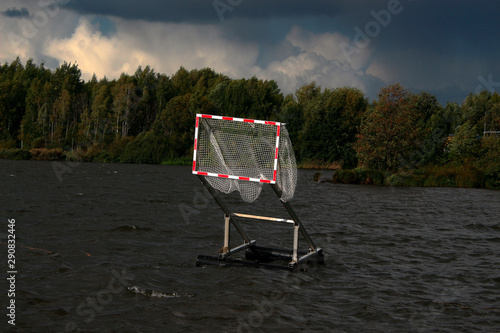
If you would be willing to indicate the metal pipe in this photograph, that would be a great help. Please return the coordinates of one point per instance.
(227, 222)
(255, 217)
(295, 243)
(237, 249)
(307, 255)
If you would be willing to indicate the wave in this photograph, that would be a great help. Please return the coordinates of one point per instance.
(154, 293)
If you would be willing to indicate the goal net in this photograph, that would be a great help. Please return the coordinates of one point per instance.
(244, 154)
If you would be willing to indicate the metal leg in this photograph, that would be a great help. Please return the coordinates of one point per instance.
(227, 220)
(295, 244)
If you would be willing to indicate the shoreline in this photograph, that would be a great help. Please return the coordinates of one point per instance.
(434, 176)
(431, 176)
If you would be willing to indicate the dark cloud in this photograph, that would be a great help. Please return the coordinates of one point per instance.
(440, 46)
(439, 25)
(16, 13)
(456, 94)
(203, 11)
(444, 24)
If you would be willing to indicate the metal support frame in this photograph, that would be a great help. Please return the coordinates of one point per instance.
(231, 218)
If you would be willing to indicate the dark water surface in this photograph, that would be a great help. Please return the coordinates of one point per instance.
(112, 248)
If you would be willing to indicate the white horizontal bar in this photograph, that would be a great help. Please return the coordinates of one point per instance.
(256, 217)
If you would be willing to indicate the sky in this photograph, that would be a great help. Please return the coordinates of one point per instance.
(447, 48)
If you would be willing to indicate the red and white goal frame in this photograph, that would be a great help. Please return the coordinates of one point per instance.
(202, 172)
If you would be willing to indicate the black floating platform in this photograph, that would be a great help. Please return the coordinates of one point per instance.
(204, 260)
(261, 257)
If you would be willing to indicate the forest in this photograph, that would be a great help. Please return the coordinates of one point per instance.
(402, 138)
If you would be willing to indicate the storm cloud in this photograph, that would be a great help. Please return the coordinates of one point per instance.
(447, 48)
(16, 13)
(203, 11)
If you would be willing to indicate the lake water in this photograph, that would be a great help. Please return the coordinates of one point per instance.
(112, 248)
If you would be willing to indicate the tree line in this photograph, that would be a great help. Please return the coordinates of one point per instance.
(148, 117)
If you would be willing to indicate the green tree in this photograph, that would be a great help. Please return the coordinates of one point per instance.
(61, 117)
(30, 131)
(101, 115)
(491, 118)
(465, 144)
(165, 91)
(251, 98)
(292, 115)
(176, 123)
(477, 107)
(12, 99)
(331, 119)
(147, 148)
(436, 128)
(44, 106)
(12, 109)
(147, 109)
(389, 131)
(489, 160)
(125, 105)
(68, 76)
(182, 82)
